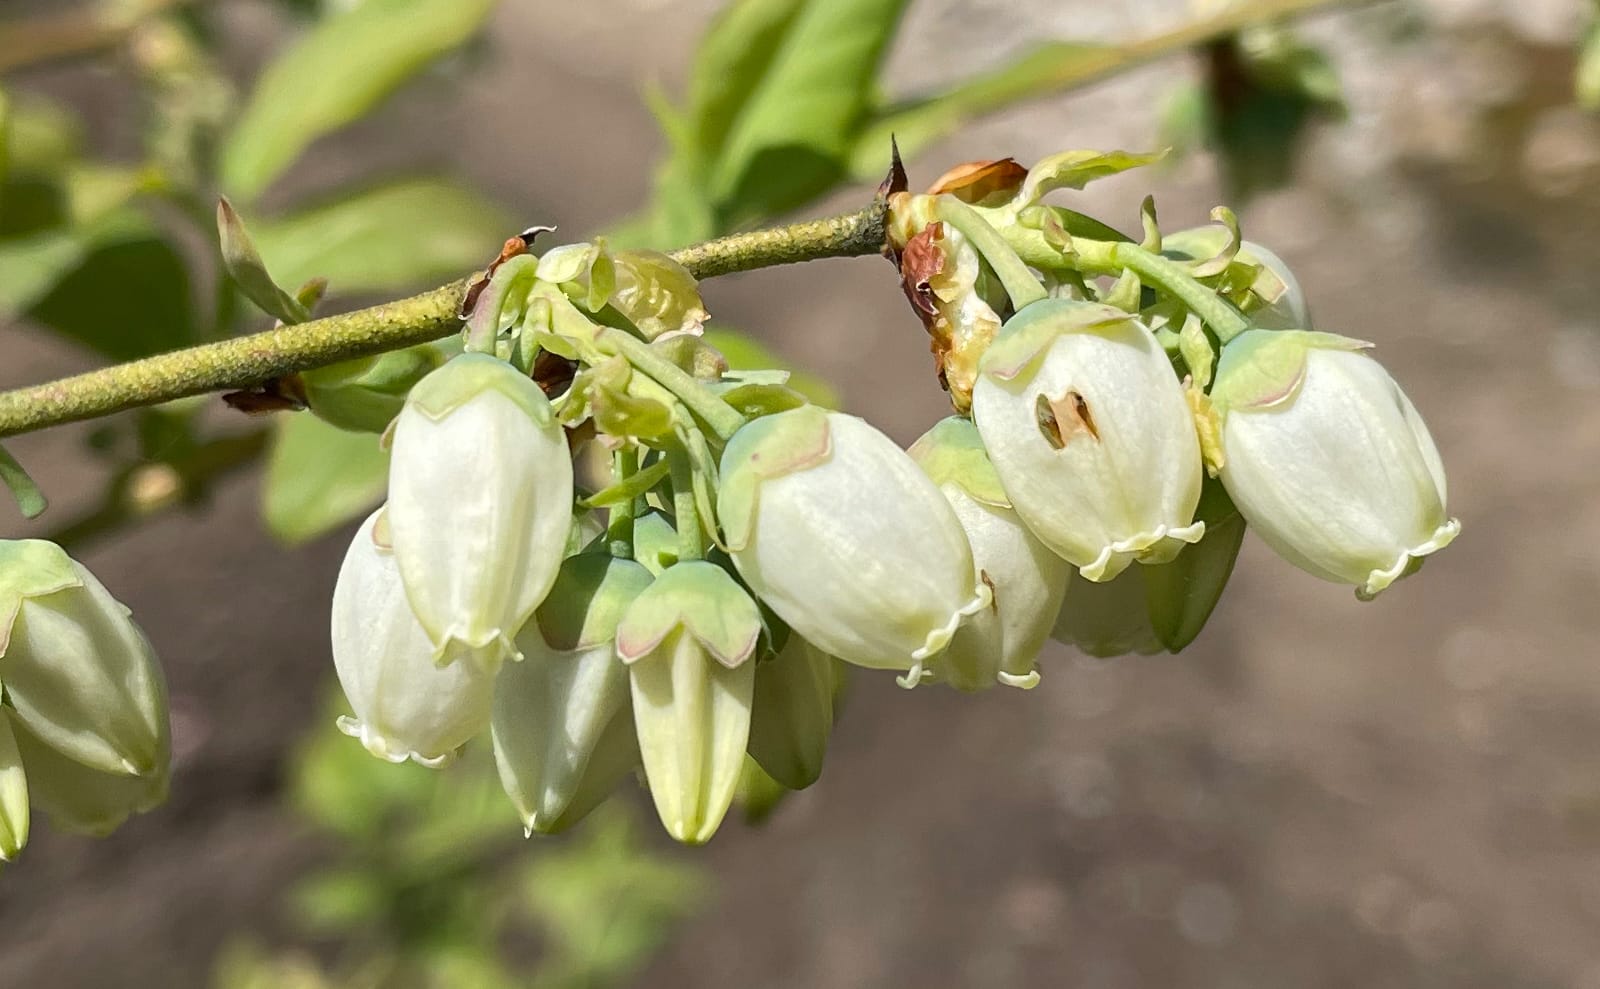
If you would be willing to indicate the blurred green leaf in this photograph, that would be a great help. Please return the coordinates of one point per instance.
(919, 122)
(746, 354)
(118, 288)
(337, 900)
(796, 126)
(319, 477)
(1586, 81)
(385, 238)
(341, 68)
(340, 786)
(30, 500)
(738, 49)
(249, 272)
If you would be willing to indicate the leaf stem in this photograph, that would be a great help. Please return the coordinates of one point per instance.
(1019, 282)
(691, 539)
(1100, 257)
(251, 360)
(718, 416)
(619, 526)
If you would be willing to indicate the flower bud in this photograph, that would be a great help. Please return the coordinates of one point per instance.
(1182, 594)
(480, 504)
(77, 671)
(1002, 641)
(79, 798)
(365, 394)
(687, 640)
(13, 795)
(791, 715)
(1281, 304)
(406, 706)
(842, 535)
(563, 735)
(1328, 460)
(1108, 618)
(1089, 430)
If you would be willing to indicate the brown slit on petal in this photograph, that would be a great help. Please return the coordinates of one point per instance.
(994, 592)
(1060, 421)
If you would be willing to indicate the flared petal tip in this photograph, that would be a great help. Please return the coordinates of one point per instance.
(387, 750)
(1026, 681)
(941, 636)
(1410, 561)
(488, 648)
(1160, 545)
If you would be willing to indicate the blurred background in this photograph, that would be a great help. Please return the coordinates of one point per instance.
(1318, 793)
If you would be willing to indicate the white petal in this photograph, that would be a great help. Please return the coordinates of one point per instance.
(406, 706)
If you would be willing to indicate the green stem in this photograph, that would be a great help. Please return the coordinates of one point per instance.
(1100, 257)
(718, 416)
(619, 527)
(691, 539)
(1019, 282)
(251, 360)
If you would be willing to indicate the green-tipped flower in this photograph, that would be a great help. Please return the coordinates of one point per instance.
(1089, 430)
(844, 536)
(688, 641)
(77, 671)
(480, 504)
(76, 797)
(792, 714)
(563, 735)
(406, 706)
(13, 795)
(1001, 642)
(1327, 458)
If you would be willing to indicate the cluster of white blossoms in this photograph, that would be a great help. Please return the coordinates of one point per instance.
(1125, 410)
(83, 723)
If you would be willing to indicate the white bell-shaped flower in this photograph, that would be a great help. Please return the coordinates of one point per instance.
(406, 705)
(480, 504)
(1328, 460)
(1089, 430)
(563, 734)
(1001, 642)
(77, 671)
(840, 532)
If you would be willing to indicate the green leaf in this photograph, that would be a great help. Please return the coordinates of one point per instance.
(30, 500)
(124, 293)
(791, 137)
(737, 50)
(1586, 80)
(319, 477)
(244, 264)
(385, 238)
(339, 70)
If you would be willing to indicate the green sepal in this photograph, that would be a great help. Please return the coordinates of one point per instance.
(30, 568)
(762, 449)
(952, 452)
(1263, 368)
(1076, 169)
(1125, 293)
(657, 294)
(701, 599)
(365, 394)
(754, 399)
(694, 355)
(1182, 594)
(31, 501)
(1195, 347)
(465, 377)
(1029, 333)
(591, 594)
(655, 541)
(610, 392)
(1218, 263)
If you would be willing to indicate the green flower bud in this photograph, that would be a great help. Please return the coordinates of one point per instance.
(77, 797)
(1107, 618)
(77, 671)
(1182, 594)
(687, 641)
(563, 735)
(13, 795)
(791, 716)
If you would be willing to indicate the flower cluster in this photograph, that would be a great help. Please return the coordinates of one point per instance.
(1124, 410)
(83, 723)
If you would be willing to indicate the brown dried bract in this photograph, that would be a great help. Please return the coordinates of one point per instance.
(510, 249)
(982, 183)
(285, 394)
